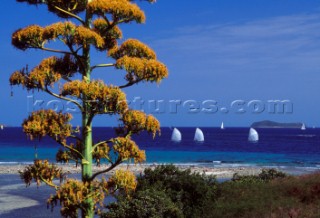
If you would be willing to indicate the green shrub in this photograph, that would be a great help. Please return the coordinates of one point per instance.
(192, 192)
(149, 203)
(171, 192)
(265, 176)
(265, 195)
(271, 174)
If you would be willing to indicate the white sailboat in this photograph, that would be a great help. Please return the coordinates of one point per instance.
(303, 127)
(176, 135)
(198, 136)
(1, 127)
(222, 126)
(253, 135)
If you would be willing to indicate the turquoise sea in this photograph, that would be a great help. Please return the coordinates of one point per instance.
(283, 148)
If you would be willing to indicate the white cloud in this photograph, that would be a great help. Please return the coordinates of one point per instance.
(287, 43)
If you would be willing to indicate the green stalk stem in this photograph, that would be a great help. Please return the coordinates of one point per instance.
(87, 129)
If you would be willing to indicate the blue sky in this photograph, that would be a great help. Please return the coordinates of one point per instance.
(217, 52)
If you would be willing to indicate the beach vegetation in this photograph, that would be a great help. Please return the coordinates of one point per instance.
(277, 197)
(266, 175)
(167, 191)
(148, 203)
(84, 27)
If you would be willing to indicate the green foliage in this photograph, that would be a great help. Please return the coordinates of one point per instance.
(265, 176)
(277, 196)
(192, 192)
(271, 174)
(177, 193)
(150, 203)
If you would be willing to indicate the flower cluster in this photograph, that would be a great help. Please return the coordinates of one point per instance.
(152, 125)
(132, 48)
(29, 37)
(101, 98)
(48, 72)
(73, 194)
(59, 29)
(35, 36)
(21, 78)
(48, 122)
(101, 151)
(128, 149)
(41, 171)
(142, 69)
(123, 180)
(68, 31)
(65, 66)
(119, 9)
(109, 33)
(62, 156)
(85, 36)
(73, 6)
(136, 121)
(67, 154)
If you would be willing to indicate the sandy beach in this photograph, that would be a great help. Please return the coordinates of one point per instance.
(18, 201)
(220, 172)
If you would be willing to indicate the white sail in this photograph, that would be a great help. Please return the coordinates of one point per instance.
(222, 126)
(303, 127)
(198, 136)
(1, 126)
(253, 135)
(176, 135)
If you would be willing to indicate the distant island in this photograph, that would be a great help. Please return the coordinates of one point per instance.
(272, 124)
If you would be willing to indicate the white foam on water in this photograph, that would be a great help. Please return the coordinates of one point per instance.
(14, 163)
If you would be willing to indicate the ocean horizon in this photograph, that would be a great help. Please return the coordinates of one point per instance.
(282, 148)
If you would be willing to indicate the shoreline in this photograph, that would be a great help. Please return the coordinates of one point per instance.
(220, 172)
(19, 201)
(216, 170)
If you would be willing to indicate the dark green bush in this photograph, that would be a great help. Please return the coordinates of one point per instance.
(192, 192)
(150, 203)
(171, 192)
(271, 174)
(167, 192)
(265, 176)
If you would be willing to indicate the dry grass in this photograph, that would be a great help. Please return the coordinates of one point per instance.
(290, 197)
